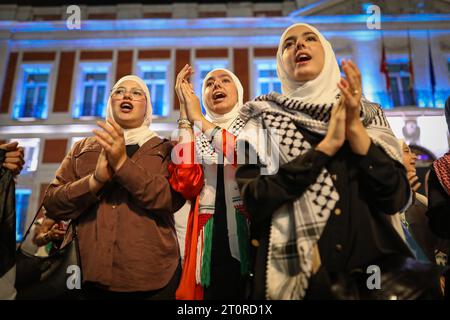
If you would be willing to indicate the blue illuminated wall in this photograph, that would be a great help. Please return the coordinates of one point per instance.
(365, 44)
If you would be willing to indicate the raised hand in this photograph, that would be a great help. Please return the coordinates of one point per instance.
(193, 107)
(112, 139)
(191, 103)
(14, 157)
(186, 95)
(335, 137)
(351, 89)
(183, 75)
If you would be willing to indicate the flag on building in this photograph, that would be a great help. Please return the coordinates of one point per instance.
(383, 65)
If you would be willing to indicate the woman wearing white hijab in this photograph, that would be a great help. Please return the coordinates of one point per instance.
(216, 252)
(115, 186)
(335, 173)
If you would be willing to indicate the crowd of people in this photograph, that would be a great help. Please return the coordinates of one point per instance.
(291, 194)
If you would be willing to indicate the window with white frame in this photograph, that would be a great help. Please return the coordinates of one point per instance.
(22, 202)
(92, 90)
(202, 68)
(155, 74)
(266, 79)
(400, 78)
(32, 92)
(31, 153)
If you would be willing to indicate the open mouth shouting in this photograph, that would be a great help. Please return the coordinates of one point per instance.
(219, 96)
(302, 58)
(126, 107)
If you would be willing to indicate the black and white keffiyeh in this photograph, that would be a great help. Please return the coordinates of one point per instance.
(205, 149)
(296, 227)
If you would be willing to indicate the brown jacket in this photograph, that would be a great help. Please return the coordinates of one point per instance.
(126, 232)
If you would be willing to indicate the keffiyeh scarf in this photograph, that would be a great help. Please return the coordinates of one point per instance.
(442, 168)
(237, 219)
(296, 227)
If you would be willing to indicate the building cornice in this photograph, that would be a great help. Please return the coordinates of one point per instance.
(334, 22)
(231, 32)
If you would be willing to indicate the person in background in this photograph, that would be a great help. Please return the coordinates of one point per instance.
(439, 190)
(11, 163)
(439, 196)
(418, 234)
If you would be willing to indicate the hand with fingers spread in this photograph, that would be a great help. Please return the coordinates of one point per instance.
(335, 137)
(351, 90)
(14, 157)
(112, 139)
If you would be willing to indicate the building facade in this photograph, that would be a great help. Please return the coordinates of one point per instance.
(55, 77)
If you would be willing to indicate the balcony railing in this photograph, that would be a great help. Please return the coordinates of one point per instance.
(29, 111)
(88, 109)
(420, 98)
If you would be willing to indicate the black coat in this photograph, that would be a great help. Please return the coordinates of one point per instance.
(358, 232)
(418, 225)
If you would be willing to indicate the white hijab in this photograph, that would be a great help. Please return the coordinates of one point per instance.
(224, 120)
(322, 89)
(143, 133)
